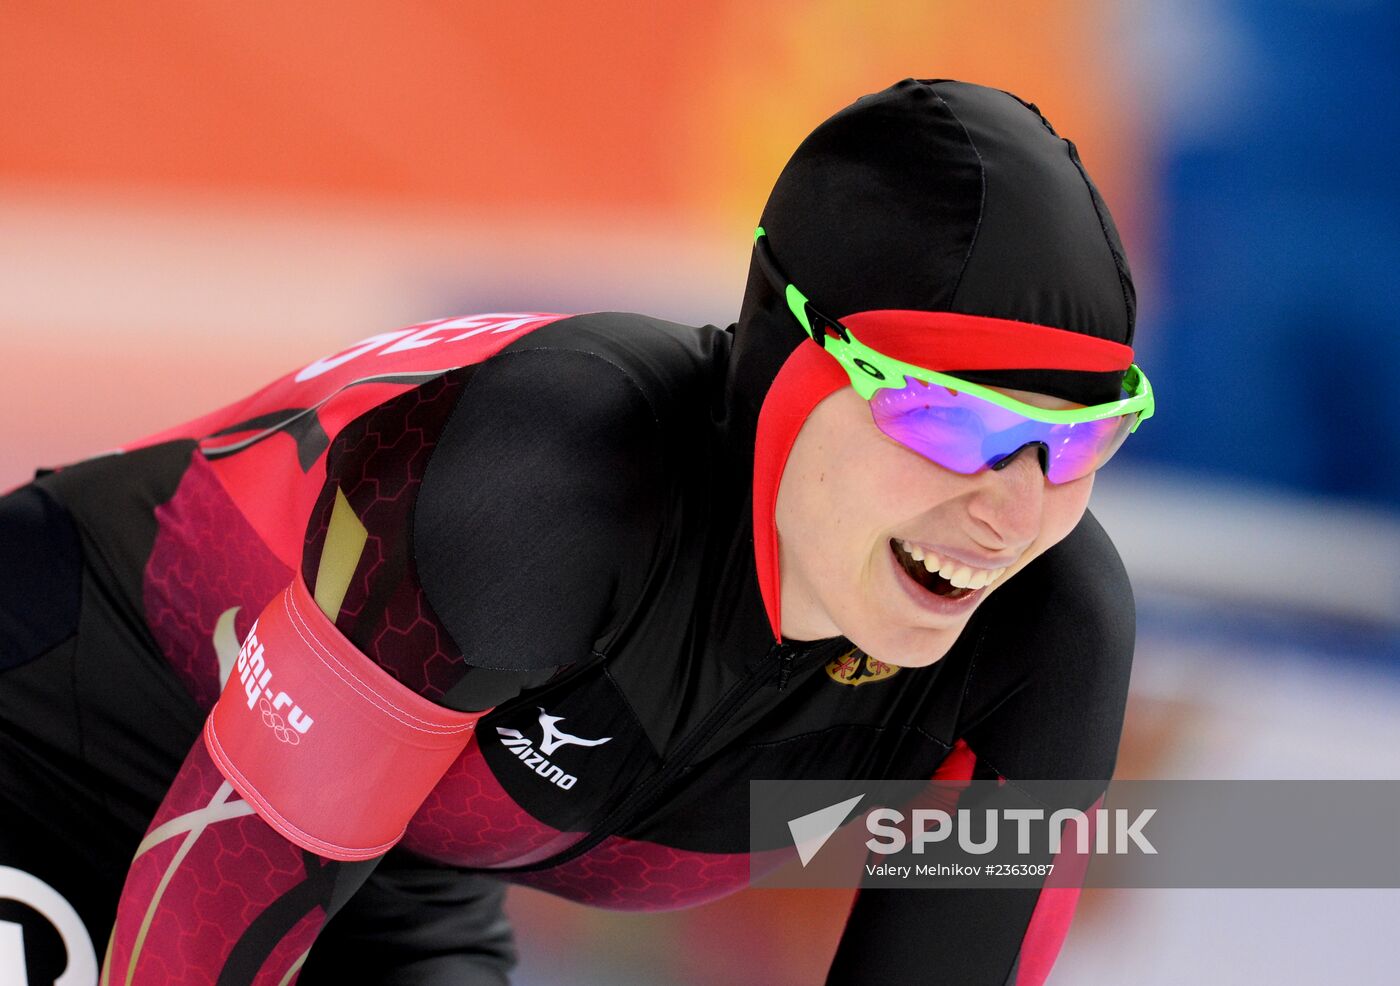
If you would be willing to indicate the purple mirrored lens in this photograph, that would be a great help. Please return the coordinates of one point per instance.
(967, 434)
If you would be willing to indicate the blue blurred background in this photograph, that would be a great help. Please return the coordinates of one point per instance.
(1275, 334)
(198, 196)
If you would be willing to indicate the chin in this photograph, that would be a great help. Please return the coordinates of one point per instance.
(924, 646)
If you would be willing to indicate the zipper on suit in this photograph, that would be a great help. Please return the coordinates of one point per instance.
(785, 657)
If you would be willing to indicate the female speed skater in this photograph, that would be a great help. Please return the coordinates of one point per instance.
(293, 691)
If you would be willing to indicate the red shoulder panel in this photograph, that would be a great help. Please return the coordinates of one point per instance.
(252, 444)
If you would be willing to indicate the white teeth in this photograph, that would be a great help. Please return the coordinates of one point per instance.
(917, 553)
(962, 576)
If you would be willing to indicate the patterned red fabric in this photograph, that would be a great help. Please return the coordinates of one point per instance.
(624, 874)
(206, 560)
(230, 870)
(377, 462)
(291, 951)
(470, 820)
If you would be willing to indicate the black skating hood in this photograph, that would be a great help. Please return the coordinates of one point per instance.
(932, 196)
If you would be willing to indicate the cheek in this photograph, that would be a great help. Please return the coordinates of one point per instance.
(846, 476)
(901, 491)
(1064, 508)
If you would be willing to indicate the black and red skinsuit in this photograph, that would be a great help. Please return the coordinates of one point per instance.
(553, 516)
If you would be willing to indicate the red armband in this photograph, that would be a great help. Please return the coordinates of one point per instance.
(330, 750)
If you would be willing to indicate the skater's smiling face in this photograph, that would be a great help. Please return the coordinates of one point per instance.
(861, 519)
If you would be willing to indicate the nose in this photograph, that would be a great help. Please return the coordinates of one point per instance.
(1009, 501)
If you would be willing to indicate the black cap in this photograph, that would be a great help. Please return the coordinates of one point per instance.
(938, 195)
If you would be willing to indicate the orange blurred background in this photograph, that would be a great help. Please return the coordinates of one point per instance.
(197, 196)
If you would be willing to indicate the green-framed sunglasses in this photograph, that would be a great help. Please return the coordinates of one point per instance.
(958, 424)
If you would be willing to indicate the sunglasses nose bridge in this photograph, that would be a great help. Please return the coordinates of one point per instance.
(1011, 507)
(1042, 452)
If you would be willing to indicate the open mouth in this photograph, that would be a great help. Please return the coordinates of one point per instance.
(940, 585)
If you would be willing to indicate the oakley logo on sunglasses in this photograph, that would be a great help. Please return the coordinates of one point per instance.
(868, 368)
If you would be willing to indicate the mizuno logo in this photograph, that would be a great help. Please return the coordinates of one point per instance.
(554, 737)
(551, 739)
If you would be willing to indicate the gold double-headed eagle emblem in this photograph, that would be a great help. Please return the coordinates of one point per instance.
(855, 667)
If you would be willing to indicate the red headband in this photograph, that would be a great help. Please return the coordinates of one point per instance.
(953, 341)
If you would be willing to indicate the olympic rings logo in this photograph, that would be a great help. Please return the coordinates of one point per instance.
(272, 720)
